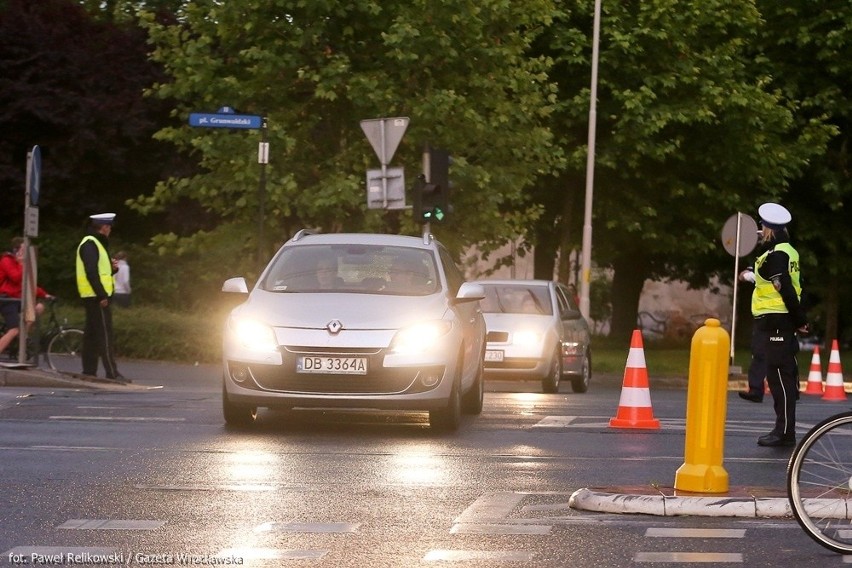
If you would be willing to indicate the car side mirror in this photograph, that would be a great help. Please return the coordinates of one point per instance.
(235, 285)
(570, 314)
(470, 292)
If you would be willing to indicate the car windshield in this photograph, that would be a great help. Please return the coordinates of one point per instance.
(516, 299)
(366, 269)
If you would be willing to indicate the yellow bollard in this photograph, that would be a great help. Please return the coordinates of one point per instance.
(706, 405)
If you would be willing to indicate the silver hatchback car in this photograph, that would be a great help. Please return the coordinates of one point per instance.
(366, 321)
(535, 331)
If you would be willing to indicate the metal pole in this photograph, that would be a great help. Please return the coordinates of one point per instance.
(736, 281)
(262, 158)
(590, 169)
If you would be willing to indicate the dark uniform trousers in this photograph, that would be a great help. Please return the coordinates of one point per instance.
(782, 373)
(98, 339)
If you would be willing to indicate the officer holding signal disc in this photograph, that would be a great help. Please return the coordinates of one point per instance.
(778, 315)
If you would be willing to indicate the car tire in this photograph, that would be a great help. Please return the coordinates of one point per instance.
(472, 400)
(580, 383)
(550, 383)
(237, 415)
(448, 419)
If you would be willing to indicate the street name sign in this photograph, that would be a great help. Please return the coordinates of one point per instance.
(225, 120)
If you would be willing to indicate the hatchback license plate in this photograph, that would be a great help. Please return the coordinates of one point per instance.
(332, 365)
(494, 356)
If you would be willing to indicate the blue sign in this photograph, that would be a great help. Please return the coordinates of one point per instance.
(34, 175)
(225, 120)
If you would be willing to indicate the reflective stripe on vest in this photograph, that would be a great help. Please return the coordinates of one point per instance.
(104, 270)
(766, 299)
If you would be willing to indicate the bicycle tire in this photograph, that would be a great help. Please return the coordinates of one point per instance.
(819, 483)
(64, 349)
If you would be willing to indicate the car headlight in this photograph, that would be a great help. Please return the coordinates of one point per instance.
(421, 337)
(253, 335)
(526, 338)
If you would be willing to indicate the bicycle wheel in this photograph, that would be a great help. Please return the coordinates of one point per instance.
(819, 483)
(63, 351)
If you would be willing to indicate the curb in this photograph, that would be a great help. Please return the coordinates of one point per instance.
(663, 505)
(42, 378)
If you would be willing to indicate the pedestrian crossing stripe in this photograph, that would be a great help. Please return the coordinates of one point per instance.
(464, 555)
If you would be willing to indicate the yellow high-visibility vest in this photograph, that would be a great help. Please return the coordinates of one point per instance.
(104, 271)
(766, 299)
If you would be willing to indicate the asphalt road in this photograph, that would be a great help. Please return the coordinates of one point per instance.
(148, 474)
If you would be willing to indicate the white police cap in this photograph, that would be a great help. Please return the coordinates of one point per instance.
(774, 216)
(103, 218)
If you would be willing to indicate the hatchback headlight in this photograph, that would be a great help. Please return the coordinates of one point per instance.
(253, 335)
(526, 338)
(421, 337)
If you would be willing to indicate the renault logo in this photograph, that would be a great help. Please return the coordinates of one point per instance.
(334, 327)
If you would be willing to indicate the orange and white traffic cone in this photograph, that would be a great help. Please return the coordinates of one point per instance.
(814, 385)
(634, 407)
(834, 377)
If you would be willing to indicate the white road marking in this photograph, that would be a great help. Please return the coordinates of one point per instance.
(463, 555)
(475, 528)
(695, 533)
(308, 527)
(491, 506)
(107, 524)
(696, 557)
(119, 418)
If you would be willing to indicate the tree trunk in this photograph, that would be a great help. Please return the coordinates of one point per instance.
(544, 256)
(830, 305)
(629, 275)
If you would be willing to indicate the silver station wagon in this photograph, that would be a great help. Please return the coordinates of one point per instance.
(535, 331)
(366, 321)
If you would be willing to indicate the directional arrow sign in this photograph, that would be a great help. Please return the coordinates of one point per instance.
(384, 135)
(225, 120)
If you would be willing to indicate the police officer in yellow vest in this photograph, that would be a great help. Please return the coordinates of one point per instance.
(778, 315)
(95, 284)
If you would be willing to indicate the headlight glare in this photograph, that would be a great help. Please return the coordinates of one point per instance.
(526, 338)
(254, 335)
(421, 337)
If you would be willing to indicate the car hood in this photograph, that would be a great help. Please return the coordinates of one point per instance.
(354, 311)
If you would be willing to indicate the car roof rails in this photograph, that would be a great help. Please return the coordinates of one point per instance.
(303, 233)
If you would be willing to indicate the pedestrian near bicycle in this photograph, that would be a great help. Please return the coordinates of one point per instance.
(778, 315)
(11, 286)
(96, 285)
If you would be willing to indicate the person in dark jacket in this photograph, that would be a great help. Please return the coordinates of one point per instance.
(96, 285)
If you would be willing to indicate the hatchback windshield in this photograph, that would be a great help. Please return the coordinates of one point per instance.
(367, 269)
(516, 299)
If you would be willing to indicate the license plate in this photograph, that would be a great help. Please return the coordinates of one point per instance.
(332, 365)
(494, 356)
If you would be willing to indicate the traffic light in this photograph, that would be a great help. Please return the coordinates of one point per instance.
(432, 190)
(430, 201)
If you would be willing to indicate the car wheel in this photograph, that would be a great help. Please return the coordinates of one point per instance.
(472, 400)
(448, 419)
(237, 415)
(550, 383)
(580, 383)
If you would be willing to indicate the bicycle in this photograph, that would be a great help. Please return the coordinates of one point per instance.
(61, 344)
(819, 483)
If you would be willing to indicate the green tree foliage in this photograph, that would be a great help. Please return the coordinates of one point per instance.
(458, 69)
(688, 132)
(808, 50)
(73, 85)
